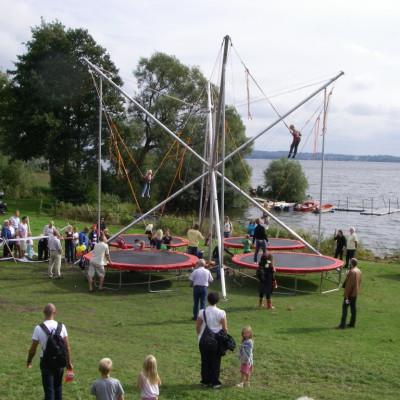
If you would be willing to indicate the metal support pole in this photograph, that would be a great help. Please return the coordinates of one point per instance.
(219, 235)
(99, 157)
(326, 102)
(130, 98)
(143, 216)
(254, 202)
(244, 145)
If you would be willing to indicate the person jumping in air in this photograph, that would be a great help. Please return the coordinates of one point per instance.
(295, 142)
(147, 181)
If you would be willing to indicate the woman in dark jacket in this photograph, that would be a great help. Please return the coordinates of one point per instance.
(341, 243)
(266, 276)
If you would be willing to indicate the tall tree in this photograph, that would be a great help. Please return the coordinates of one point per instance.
(176, 95)
(54, 111)
(285, 180)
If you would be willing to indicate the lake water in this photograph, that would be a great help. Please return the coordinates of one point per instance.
(362, 184)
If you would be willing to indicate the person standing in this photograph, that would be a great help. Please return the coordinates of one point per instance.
(23, 231)
(351, 285)
(51, 375)
(266, 275)
(6, 236)
(93, 237)
(194, 236)
(100, 257)
(15, 220)
(341, 243)
(55, 250)
(69, 244)
(216, 320)
(295, 142)
(43, 245)
(228, 228)
(107, 388)
(200, 278)
(260, 238)
(351, 246)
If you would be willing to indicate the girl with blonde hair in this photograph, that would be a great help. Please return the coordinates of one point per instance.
(148, 380)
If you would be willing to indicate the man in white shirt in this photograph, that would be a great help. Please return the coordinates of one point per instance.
(200, 279)
(15, 221)
(55, 249)
(51, 377)
(100, 257)
(351, 246)
(23, 234)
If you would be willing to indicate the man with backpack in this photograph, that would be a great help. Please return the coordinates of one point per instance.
(55, 352)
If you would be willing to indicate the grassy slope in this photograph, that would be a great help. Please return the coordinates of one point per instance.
(296, 350)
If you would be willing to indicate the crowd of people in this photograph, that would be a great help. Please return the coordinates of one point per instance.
(209, 319)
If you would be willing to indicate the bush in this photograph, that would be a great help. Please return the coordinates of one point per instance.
(16, 178)
(112, 210)
(285, 180)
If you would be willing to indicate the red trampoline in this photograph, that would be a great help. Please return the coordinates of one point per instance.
(130, 240)
(273, 243)
(292, 263)
(149, 260)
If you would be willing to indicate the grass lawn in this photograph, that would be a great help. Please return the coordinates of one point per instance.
(297, 351)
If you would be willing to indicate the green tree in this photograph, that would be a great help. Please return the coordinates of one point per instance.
(54, 112)
(176, 95)
(285, 180)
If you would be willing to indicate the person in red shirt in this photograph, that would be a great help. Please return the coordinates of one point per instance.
(295, 142)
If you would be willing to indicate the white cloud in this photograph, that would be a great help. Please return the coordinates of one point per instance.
(283, 43)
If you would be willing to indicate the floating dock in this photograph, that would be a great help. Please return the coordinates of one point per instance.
(380, 211)
(350, 209)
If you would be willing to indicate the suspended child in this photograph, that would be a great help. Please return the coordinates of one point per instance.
(295, 142)
(147, 181)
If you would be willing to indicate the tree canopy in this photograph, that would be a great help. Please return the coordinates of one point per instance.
(175, 94)
(285, 180)
(54, 109)
(52, 113)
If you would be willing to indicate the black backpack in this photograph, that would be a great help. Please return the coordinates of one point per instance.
(55, 354)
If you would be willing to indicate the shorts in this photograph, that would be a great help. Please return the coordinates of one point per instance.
(246, 368)
(96, 269)
(22, 245)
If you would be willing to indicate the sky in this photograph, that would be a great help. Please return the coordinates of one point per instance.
(284, 44)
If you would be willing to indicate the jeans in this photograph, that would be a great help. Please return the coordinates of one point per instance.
(260, 244)
(69, 250)
(52, 382)
(227, 234)
(146, 189)
(353, 311)
(199, 295)
(43, 250)
(210, 367)
(293, 148)
(339, 253)
(349, 255)
(192, 250)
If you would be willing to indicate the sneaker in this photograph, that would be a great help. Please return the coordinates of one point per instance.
(218, 386)
(240, 385)
(350, 326)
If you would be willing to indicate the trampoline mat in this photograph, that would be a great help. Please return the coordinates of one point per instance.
(273, 243)
(149, 260)
(130, 240)
(292, 263)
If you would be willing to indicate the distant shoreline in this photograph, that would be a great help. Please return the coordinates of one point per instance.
(273, 155)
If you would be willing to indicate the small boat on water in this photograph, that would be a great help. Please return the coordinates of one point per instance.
(306, 206)
(283, 206)
(324, 208)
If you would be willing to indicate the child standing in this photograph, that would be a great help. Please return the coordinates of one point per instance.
(148, 380)
(247, 243)
(107, 388)
(246, 357)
